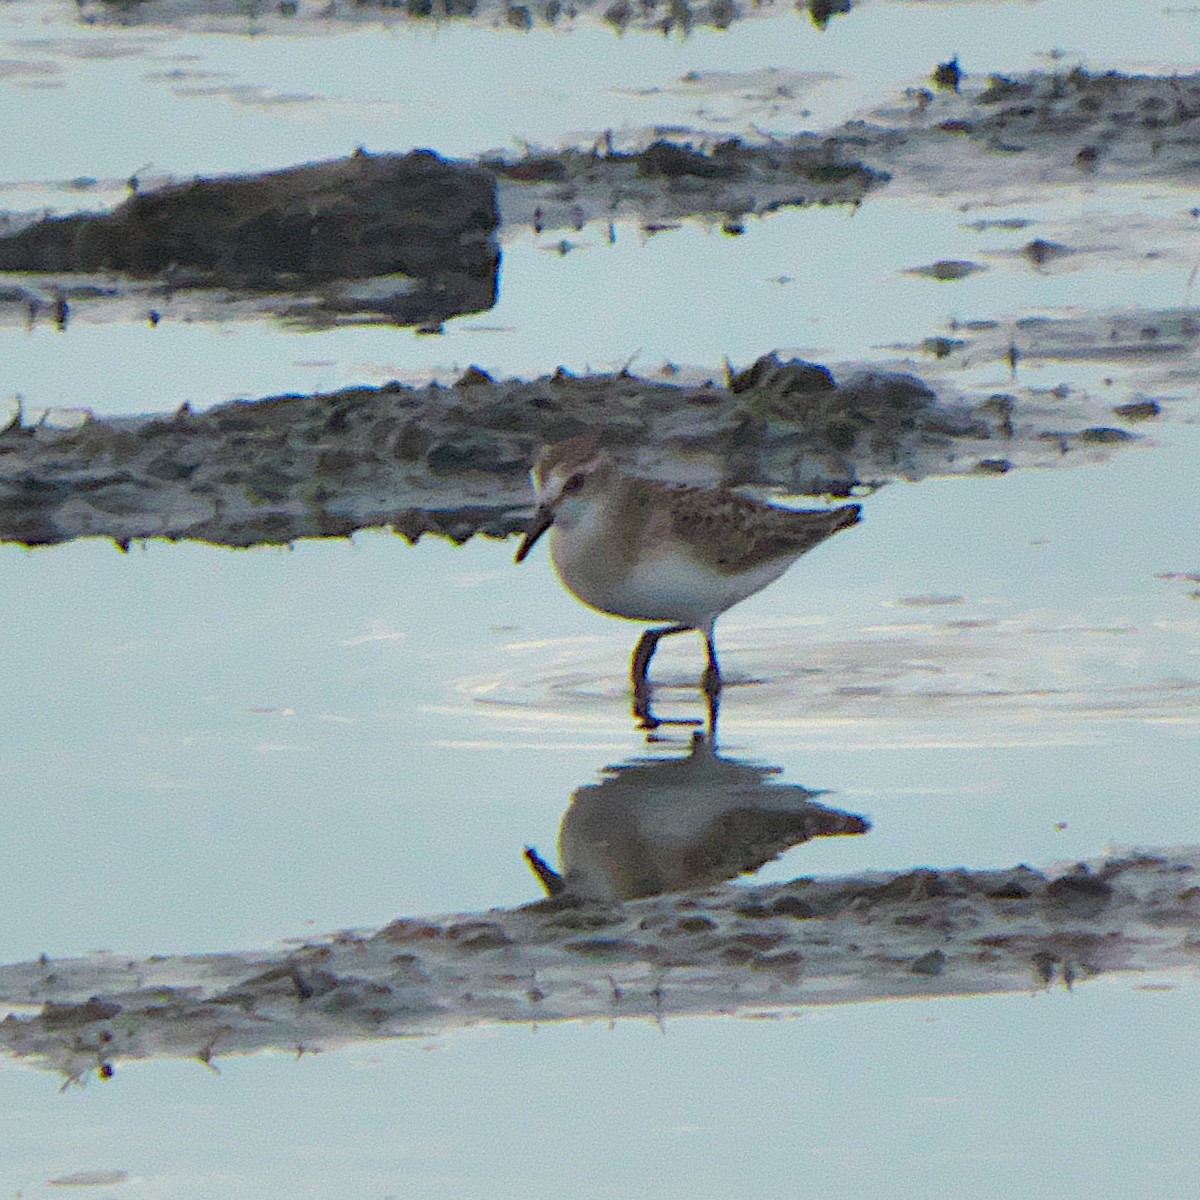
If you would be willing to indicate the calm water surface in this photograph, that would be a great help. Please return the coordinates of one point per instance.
(222, 746)
(206, 750)
(1072, 1094)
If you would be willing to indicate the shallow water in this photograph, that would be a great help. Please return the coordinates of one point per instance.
(1018, 1094)
(788, 298)
(207, 750)
(341, 733)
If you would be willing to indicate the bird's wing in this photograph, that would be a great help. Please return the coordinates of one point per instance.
(737, 533)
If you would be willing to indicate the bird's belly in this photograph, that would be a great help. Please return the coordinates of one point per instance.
(668, 587)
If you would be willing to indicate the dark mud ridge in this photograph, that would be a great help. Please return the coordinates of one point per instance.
(729, 950)
(403, 239)
(409, 238)
(666, 182)
(1077, 123)
(661, 16)
(968, 139)
(454, 460)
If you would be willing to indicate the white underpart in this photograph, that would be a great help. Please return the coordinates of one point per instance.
(671, 585)
(675, 587)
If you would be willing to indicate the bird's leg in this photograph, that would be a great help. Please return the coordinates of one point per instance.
(638, 667)
(644, 652)
(712, 673)
(714, 704)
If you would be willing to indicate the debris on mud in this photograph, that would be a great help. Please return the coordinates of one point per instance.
(960, 140)
(669, 181)
(964, 140)
(1059, 125)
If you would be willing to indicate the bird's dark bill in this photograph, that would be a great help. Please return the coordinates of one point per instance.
(542, 520)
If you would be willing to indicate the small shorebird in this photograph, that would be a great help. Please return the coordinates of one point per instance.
(651, 551)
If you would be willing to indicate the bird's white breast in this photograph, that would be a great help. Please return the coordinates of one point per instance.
(660, 583)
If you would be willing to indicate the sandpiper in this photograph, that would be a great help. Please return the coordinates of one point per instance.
(652, 551)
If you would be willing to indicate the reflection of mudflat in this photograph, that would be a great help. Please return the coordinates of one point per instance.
(653, 826)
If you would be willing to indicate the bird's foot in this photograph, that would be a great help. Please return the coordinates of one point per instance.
(646, 721)
(644, 717)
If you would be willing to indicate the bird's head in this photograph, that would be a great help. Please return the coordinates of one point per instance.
(566, 479)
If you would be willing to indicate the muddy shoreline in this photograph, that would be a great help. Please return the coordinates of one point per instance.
(725, 951)
(983, 136)
(666, 17)
(453, 461)
(406, 238)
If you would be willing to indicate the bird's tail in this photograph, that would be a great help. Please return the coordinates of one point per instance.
(847, 515)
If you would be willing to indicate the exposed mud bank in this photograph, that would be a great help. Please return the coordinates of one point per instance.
(660, 16)
(987, 138)
(409, 238)
(454, 461)
(729, 950)
(668, 182)
(1035, 128)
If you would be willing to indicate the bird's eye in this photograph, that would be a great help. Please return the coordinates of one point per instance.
(574, 484)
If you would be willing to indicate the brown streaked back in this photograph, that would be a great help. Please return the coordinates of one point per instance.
(733, 533)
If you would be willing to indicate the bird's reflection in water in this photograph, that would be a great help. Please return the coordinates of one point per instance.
(652, 826)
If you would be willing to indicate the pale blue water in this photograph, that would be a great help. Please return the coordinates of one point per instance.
(207, 750)
(850, 301)
(1069, 1094)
